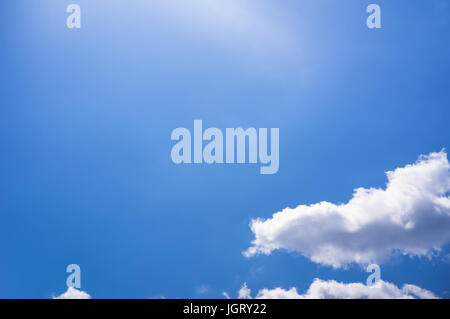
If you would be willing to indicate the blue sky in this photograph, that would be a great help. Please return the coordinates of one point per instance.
(86, 116)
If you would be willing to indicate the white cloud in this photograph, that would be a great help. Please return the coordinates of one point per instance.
(226, 295)
(73, 293)
(244, 292)
(412, 216)
(321, 289)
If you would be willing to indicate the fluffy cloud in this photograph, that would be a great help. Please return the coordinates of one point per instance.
(73, 293)
(411, 216)
(244, 292)
(320, 289)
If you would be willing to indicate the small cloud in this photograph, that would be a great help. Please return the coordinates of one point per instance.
(446, 259)
(73, 293)
(203, 289)
(244, 292)
(226, 295)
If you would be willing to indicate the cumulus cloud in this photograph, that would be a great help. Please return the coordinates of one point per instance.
(411, 215)
(73, 293)
(321, 289)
